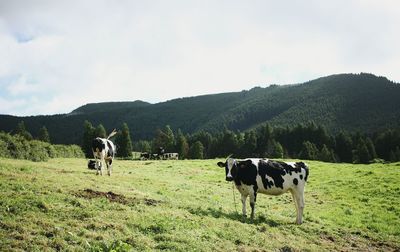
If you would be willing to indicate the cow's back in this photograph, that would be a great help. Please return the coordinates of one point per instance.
(277, 177)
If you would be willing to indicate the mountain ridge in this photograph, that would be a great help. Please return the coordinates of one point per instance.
(353, 102)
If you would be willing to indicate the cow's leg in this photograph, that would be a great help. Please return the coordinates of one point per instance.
(109, 167)
(244, 197)
(298, 197)
(97, 166)
(253, 198)
(101, 166)
(295, 202)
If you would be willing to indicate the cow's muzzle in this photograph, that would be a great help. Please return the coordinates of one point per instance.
(229, 178)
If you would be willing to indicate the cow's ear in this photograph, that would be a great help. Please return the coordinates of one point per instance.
(220, 164)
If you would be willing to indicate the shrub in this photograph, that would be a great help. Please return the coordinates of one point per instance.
(3, 149)
(68, 151)
(19, 147)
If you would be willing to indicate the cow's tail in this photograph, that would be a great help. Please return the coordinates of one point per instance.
(112, 134)
(307, 171)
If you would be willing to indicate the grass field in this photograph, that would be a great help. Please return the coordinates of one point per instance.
(188, 206)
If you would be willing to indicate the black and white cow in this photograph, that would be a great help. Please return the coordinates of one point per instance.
(103, 151)
(252, 176)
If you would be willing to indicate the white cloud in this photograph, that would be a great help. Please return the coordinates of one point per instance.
(68, 53)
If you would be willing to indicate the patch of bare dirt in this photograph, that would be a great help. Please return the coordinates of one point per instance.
(114, 197)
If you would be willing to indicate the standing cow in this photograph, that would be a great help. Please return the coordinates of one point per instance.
(252, 176)
(103, 151)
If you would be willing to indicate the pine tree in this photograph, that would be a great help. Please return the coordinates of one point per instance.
(344, 147)
(250, 144)
(196, 150)
(277, 151)
(265, 134)
(21, 130)
(164, 139)
(44, 135)
(205, 138)
(170, 139)
(394, 155)
(100, 131)
(326, 154)
(363, 155)
(229, 143)
(124, 142)
(182, 146)
(88, 136)
(371, 148)
(143, 146)
(308, 151)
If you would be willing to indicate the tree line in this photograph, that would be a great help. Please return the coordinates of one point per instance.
(303, 141)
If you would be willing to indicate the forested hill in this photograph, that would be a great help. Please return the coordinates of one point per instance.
(353, 102)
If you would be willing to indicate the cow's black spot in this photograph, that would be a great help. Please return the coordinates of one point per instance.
(110, 152)
(97, 143)
(295, 181)
(255, 188)
(302, 165)
(272, 169)
(301, 176)
(245, 172)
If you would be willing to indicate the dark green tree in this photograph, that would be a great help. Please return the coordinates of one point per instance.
(142, 146)
(205, 138)
(371, 148)
(164, 138)
(124, 142)
(229, 143)
(362, 154)
(182, 146)
(326, 154)
(196, 150)
(88, 136)
(44, 135)
(100, 131)
(308, 151)
(344, 147)
(250, 144)
(395, 155)
(264, 135)
(274, 149)
(22, 131)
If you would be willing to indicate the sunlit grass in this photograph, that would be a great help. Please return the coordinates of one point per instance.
(188, 206)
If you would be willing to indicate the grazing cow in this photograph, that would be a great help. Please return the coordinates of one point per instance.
(171, 155)
(103, 150)
(252, 176)
(145, 156)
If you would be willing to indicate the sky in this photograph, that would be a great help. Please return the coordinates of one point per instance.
(58, 55)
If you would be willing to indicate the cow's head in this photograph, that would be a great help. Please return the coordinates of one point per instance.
(230, 168)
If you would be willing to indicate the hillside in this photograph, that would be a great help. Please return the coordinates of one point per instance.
(60, 205)
(353, 102)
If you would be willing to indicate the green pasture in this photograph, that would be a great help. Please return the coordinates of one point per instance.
(187, 205)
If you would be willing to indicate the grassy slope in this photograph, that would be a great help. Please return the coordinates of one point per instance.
(187, 205)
